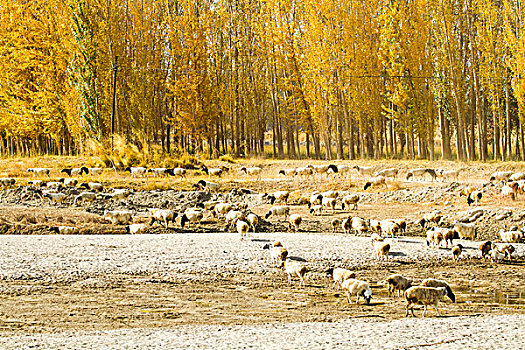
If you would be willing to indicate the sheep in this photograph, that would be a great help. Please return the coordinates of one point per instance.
(209, 205)
(339, 275)
(346, 225)
(93, 186)
(376, 237)
(359, 225)
(364, 170)
(120, 194)
(496, 255)
(136, 171)
(448, 174)
(316, 209)
(294, 268)
(212, 171)
(510, 190)
(375, 225)
(447, 234)
(330, 194)
(36, 183)
(95, 171)
(423, 296)
(7, 181)
(281, 196)
(288, 172)
(465, 231)
(456, 251)
(375, 181)
(64, 230)
(382, 249)
(242, 228)
(390, 172)
(389, 227)
(402, 223)
(294, 221)
(119, 217)
(433, 217)
(304, 171)
(485, 249)
(351, 199)
(51, 184)
(322, 169)
(221, 209)
(158, 171)
(357, 288)
(339, 169)
(70, 182)
(191, 215)
(278, 253)
(136, 229)
(206, 185)
(517, 176)
(315, 198)
(505, 249)
(180, 172)
(335, 224)
(253, 171)
(55, 197)
(39, 171)
(474, 197)
(278, 210)
(500, 176)
(434, 238)
(162, 216)
(510, 236)
(75, 171)
(328, 202)
(232, 216)
(85, 197)
(420, 172)
(253, 220)
(435, 283)
(397, 283)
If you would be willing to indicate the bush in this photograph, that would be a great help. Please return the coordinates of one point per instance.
(227, 158)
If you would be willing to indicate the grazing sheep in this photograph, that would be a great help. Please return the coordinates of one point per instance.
(510, 190)
(390, 172)
(465, 231)
(278, 253)
(433, 217)
(397, 283)
(119, 217)
(496, 255)
(180, 172)
(136, 171)
(221, 209)
(375, 181)
(93, 186)
(120, 194)
(351, 199)
(346, 225)
(389, 227)
(382, 249)
(434, 238)
(191, 215)
(335, 224)
(288, 172)
(330, 194)
(281, 196)
(339, 275)
(253, 220)
(341, 170)
(359, 225)
(435, 283)
(55, 197)
(294, 268)
(364, 170)
(485, 249)
(70, 182)
(233, 216)
(474, 197)
(316, 209)
(95, 171)
(75, 171)
(85, 197)
(456, 251)
(158, 171)
(423, 296)
(506, 250)
(39, 171)
(510, 236)
(64, 230)
(304, 171)
(206, 185)
(447, 233)
(278, 210)
(162, 216)
(329, 203)
(212, 171)
(517, 176)
(420, 172)
(294, 221)
(242, 228)
(136, 229)
(448, 174)
(500, 176)
(376, 237)
(315, 199)
(375, 225)
(253, 171)
(357, 288)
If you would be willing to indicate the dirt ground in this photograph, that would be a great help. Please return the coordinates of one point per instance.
(117, 300)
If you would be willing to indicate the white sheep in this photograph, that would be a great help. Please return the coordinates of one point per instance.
(315, 199)
(390, 172)
(162, 216)
(357, 288)
(397, 283)
(212, 171)
(364, 170)
(382, 249)
(253, 171)
(136, 171)
(335, 224)
(119, 217)
(517, 176)
(295, 268)
(253, 220)
(375, 181)
(346, 225)
(465, 231)
(233, 216)
(191, 215)
(221, 209)
(95, 171)
(70, 182)
(448, 174)
(136, 229)
(181, 172)
(304, 171)
(39, 171)
(206, 185)
(510, 190)
(93, 186)
(434, 238)
(294, 221)
(339, 275)
(329, 203)
(424, 296)
(418, 172)
(278, 210)
(288, 172)
(359, 225)
(375, 225)
(281, 196)
(120, 194)
(456, 251)
(64, 230)
(55, 197)
(505, 249)
(435, 283)
(316, 209)
(389, 227)
(278, 253)
(85, 197)
(510, 236)
(158, 172)
(500, 176)
(242, 228)
(351, 199)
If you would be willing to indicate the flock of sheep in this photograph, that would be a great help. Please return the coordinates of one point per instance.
(239, 217)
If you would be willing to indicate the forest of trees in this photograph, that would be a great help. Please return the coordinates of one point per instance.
(328, 79)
